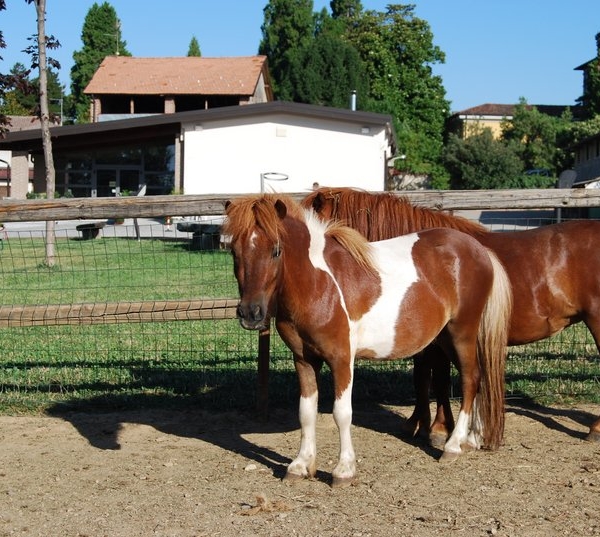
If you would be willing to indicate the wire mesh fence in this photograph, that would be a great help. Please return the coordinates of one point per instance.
(131, 360)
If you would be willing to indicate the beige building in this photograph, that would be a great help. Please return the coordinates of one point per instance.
(491, 116)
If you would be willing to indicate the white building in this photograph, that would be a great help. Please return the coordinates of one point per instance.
(219, 150)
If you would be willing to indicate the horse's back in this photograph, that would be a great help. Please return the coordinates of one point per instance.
(554, 274)
(428, 279)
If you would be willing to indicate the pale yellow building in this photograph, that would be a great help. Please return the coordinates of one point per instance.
(491, 116)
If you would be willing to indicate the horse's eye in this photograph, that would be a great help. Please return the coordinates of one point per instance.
(276, 251)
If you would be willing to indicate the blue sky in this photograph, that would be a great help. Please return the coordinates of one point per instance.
(496, 50)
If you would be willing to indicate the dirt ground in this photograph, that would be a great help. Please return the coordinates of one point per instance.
(193, 473)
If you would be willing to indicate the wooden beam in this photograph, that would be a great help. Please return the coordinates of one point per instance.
(209, 205)
(117, 312)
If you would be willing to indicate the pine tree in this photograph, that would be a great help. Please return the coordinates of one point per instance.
(194, 48)
(101, 37)
(288, 27)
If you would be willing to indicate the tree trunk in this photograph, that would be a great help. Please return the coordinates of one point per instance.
(45, 123)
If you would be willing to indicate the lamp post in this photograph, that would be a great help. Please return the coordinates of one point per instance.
(271, 176)
(59, 101)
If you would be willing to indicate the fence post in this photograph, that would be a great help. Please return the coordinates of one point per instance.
(262, 399)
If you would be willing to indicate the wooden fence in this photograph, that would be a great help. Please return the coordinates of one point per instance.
(160, 206)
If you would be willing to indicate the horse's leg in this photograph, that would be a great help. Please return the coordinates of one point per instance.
(419, 421)
(470, 377)
(593, 325)
(443, 424)
(305, 463)
(594, 434)
(345, 469)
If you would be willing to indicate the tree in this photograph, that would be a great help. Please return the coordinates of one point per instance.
(8, 83)
(481, 162)
(26, 96)
(541, 141)
(101, 37)
(590, 100)
(326, 72)
(194, 48)
(288, 27)
(398, 52)
(345, 8)
(40, 60)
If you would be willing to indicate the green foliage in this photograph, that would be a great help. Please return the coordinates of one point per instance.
(312, 59)
(533, 136)
(326, 72)
(481, 162)
(345, 8)
(194, 48)
(590, 100)
(287, 29)
(101, 37)
(23, 100)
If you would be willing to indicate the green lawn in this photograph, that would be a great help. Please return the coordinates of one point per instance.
(207, 363)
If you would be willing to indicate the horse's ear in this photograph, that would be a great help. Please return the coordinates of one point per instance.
(318, 202)
(281, 209)
(227, 204)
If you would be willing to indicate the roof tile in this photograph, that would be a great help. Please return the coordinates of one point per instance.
(127, 75)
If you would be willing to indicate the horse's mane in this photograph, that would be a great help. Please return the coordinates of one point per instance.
(350, 239)
(384, 215)
(246, 212)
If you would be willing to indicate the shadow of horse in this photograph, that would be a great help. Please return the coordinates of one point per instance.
(100, 421)
(550, 416)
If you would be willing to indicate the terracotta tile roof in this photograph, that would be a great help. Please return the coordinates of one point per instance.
(126, 75)
(23, 123)
(507, 110)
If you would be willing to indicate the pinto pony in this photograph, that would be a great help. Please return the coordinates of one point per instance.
(336, 297)
(553, 271)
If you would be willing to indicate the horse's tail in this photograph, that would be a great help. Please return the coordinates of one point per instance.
(491, 354)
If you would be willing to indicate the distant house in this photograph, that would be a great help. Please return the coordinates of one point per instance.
(124, 86)
(473, 120)
(587, 162)
(16, 124)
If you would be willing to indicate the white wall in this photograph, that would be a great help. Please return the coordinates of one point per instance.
(226, 158)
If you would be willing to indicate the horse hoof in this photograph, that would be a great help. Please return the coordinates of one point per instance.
(342, 482)
(293, 478)
(593, 436)
(437, 440)
(449, 456)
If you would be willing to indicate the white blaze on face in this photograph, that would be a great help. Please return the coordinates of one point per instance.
(376, 330)
(253, 238)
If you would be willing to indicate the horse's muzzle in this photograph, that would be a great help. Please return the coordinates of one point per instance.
(252, 317)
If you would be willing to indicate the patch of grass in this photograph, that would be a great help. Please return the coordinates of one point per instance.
(211, 364)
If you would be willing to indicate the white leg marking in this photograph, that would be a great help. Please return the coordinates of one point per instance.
(459, 435)
(305, 463)
(475, 439)
(342, 414)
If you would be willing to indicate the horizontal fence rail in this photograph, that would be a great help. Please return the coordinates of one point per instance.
(117, 312)
(209, 205)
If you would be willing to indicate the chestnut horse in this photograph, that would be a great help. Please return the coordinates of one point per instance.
(553, 271)
(336, 297)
